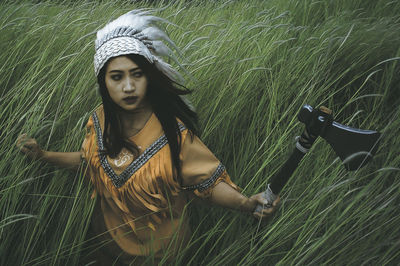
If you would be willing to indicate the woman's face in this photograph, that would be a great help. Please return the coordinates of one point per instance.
(126, 83)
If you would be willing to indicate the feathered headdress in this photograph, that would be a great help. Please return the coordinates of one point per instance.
(136, 33)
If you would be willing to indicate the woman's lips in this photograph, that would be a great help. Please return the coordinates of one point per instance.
(130, 99)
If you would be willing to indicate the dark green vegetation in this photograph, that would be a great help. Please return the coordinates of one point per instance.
(254, 64)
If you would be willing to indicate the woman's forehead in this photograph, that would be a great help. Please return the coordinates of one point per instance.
(121, 63)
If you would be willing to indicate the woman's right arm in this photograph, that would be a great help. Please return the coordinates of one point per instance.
(31, 148)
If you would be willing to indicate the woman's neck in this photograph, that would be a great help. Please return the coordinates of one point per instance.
(133, 122)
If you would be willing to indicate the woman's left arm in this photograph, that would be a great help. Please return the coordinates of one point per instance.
(203, 173)
(226, 196)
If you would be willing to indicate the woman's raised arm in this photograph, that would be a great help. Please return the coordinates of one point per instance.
(31, 148)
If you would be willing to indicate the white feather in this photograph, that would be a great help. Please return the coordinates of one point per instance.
(169, 71)
(135, 19)
(161, 49)
(154, 33)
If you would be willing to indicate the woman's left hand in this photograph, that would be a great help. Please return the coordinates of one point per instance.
(266, 212)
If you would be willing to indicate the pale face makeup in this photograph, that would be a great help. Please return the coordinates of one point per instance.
(126, 84)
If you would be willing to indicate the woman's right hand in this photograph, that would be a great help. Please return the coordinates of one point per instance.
(29, 147)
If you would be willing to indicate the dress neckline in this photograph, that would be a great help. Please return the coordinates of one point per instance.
(148, 123)
(119, 180)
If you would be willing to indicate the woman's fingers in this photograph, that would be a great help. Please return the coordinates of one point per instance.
(276, 202)
(29, 146)
(266, 211)
(21, 138)
(23, 150)
(257, 215)
(264, 202)
(24, 142)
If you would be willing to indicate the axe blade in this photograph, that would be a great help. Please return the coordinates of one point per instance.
(355, 147)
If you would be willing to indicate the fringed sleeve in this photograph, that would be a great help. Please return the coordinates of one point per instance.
(87, 142)
(201, 170)
(89, 151)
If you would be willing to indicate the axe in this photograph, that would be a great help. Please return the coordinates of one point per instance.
(355, 147)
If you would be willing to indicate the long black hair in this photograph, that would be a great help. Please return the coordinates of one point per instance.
(163, 95)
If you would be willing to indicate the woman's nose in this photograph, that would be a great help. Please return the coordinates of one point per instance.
(128, 85)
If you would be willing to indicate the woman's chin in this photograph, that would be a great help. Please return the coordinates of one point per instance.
(133, 108)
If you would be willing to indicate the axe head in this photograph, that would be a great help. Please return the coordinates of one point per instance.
(355, 147)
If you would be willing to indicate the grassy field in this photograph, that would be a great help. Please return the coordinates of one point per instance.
(253, 64)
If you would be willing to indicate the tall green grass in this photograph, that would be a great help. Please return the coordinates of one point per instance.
(253, 64)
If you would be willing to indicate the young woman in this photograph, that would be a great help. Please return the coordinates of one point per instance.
(142, 151)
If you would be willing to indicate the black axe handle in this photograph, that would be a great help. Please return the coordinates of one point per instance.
(278, 181)
(317, 125)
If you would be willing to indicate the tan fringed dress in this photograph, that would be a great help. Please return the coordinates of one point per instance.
(141, 201)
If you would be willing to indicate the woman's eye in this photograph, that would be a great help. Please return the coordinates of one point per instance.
(137, 74)
(116, 77)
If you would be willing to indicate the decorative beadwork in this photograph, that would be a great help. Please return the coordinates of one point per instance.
(119, 180)
(120, 46)
(208, 182)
